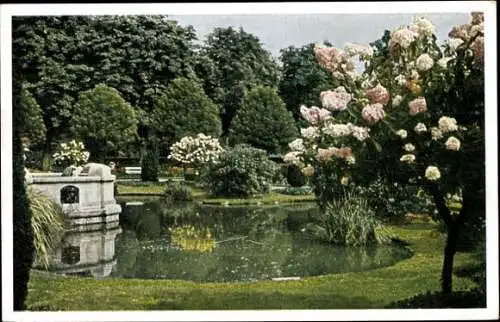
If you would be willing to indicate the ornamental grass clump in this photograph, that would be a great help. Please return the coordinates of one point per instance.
(348, 221)
(47, 222)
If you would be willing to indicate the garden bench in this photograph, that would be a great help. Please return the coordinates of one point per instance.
(133, 170)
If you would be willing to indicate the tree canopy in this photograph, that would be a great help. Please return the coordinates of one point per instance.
(303, 79)
(184, 109)
(103, 120)
(231, 61)
(263, 121)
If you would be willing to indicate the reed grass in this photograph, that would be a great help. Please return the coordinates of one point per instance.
(47, 222)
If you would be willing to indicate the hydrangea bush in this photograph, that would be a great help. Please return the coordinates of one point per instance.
(196, 151)
(415, 116)
(72, 153)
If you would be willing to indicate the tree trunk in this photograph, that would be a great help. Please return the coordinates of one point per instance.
(452, 227)
(449, 254)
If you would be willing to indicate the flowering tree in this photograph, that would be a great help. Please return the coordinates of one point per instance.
(196, 151)
(415, 115)
(71, 153)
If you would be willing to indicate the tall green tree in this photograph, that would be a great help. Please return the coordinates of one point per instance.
(34, 128)
(103, 120)
(263, 122)
(46, 48)
(303, 79)
(231, 61)
(23, 233)
(62, 56)
(183, 110)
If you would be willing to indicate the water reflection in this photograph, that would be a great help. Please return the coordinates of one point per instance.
(212, 244)
(223, 244)
(85, 253)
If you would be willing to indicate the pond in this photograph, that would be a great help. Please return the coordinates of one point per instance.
(214, 244)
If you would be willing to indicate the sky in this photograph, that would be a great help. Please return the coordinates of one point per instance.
(278, 31)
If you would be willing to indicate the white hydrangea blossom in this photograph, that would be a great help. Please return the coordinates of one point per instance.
(402, 37)
(454, 43)
(420, 128)
(293, 157)
(309, 133)
(402, 133)
(443, 62)
(452, 143)
(359, 132)
(408, 158)
(400, 79)
(423, 27)
(432, 173)
(396, 101)
(336, 130)
(197, 150)
(408, 147)
(436, 133)
(349, 129)
(447, 124)
(424, 62)
(297, 145)
(72, 152)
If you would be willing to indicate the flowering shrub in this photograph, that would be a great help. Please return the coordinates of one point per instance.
(71, 153)
(242, 171)
(430, 134)
(196, 151)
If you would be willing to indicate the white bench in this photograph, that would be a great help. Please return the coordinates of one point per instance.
(133, 170)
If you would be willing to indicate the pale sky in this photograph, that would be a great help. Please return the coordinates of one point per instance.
(277, 31)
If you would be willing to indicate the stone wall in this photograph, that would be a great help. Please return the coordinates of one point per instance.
(87, 199)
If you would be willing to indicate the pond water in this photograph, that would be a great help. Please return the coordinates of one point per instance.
(213, 244)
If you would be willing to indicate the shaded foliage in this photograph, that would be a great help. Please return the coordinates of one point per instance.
(184, 110)
(103, 120)
(263, 122)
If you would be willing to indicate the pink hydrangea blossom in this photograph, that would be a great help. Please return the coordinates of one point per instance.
(378, 94)
(314, 115)
(417, 105)
(477, 18)
(335, 100)
(461, 32)
(363, 51)
(478, 49)
(373, 113)
(324, 155)
(343, 153)
(328, 57)
(402, 37)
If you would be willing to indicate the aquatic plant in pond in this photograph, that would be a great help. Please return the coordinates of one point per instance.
(348, 221)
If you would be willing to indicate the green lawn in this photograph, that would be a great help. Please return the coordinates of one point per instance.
(138, 188)
(370, 289)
